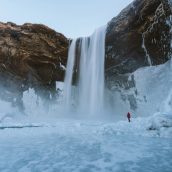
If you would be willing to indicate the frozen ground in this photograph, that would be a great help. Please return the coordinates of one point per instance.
(58, 145)
(143, 145)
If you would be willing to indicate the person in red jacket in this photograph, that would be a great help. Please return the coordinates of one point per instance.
(129, 117)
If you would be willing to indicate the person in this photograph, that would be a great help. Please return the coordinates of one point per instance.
(129, 117)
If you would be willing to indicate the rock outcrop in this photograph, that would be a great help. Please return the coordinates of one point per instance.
(31, 55)
(139, 36)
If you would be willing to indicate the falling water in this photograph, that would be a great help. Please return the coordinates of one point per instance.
(91, 81)
(69, 75)
(90, 85)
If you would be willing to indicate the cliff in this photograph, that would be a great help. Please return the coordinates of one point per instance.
(31, 55)
(35, 56)
(139, 36)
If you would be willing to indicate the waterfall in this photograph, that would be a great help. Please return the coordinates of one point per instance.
(90, 86)
(91, 81)
(69, 75)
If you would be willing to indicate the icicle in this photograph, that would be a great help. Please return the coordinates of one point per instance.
(158, 13)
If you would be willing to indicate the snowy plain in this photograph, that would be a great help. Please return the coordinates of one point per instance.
(62, 145)
(44, 141)
(145, 144)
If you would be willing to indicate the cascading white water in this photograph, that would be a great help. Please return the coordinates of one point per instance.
(90, 97)
(69, 75)
(91, 78)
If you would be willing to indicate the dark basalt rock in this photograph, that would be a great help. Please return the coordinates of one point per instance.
(142, 31)
(31, 55)
(139, 36)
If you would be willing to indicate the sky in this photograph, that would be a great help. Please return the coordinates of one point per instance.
(73, 18)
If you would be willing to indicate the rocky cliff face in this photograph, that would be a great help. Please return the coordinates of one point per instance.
(31, 55)
(139, 36)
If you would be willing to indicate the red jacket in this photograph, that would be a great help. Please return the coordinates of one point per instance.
(128, 115)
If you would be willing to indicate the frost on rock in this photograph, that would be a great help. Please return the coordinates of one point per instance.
(144, 92)
(157, 121)
(158, 13)
(161, 123)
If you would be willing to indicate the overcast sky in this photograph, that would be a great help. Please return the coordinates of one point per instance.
(73, 18)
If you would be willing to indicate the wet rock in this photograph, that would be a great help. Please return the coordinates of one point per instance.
(31, 55)
(139, 36)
